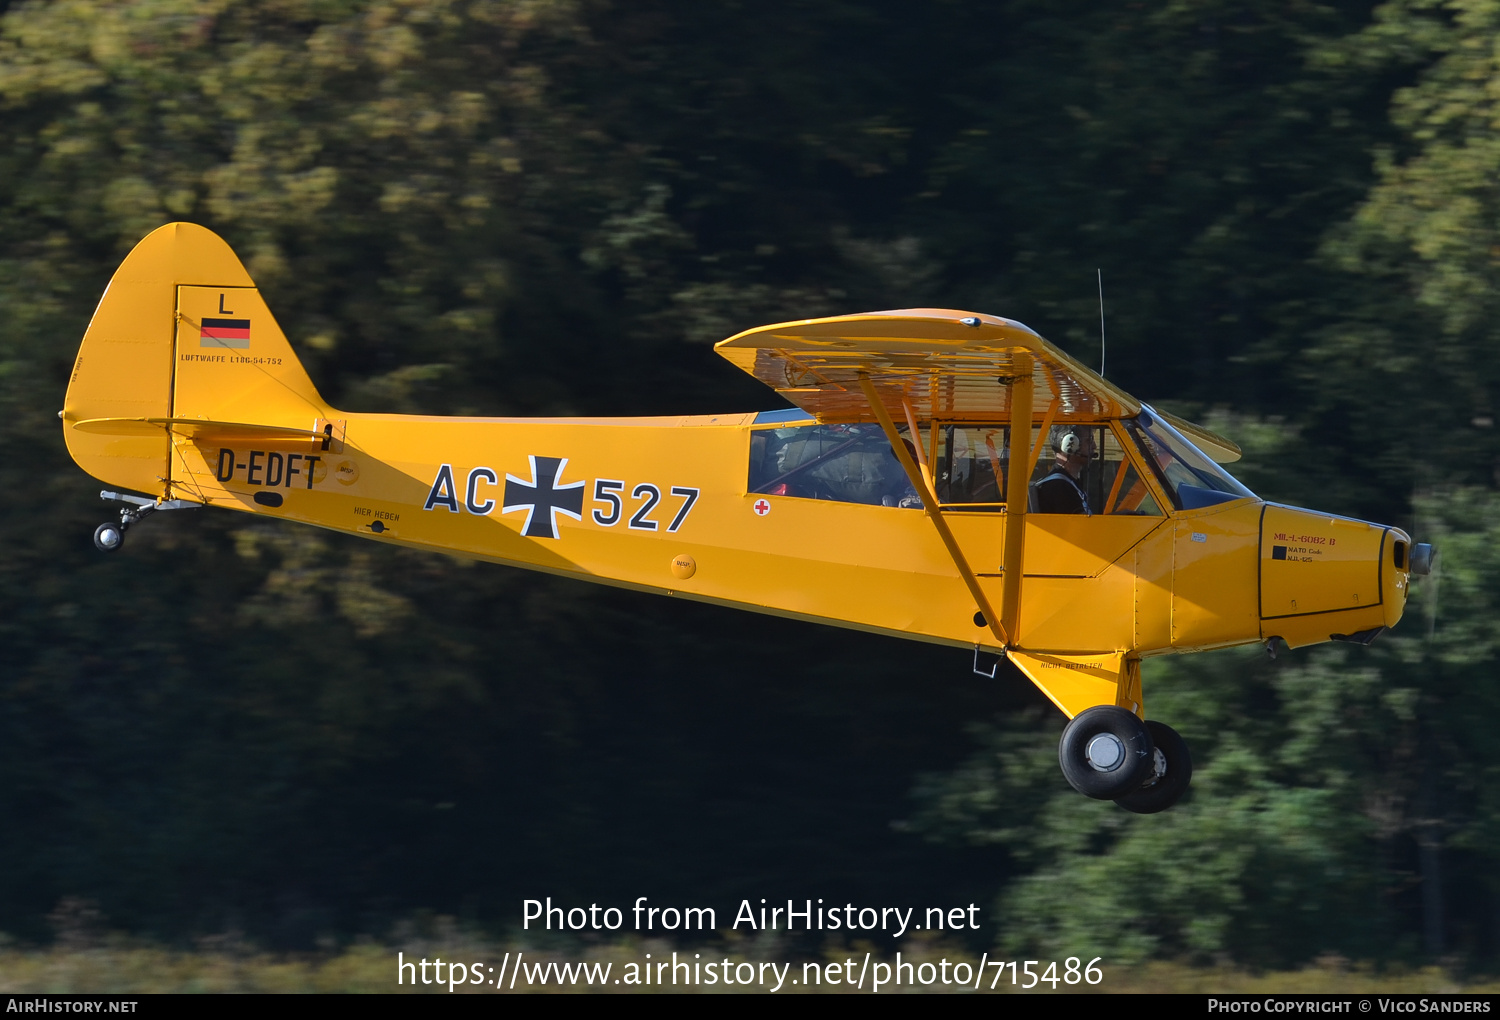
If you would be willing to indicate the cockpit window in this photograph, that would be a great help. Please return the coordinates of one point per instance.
(846, 463)
(853, 463)
(1106, 482)
(972, 463)
(1187, 472)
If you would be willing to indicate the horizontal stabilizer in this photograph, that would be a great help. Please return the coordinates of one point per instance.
(194, 428)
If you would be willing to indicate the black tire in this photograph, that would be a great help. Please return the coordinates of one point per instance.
(1117, 766)
(108, 537)
(1169, 777)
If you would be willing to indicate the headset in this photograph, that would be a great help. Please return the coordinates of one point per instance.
(1069, 442)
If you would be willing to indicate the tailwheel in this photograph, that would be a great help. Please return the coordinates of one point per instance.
(1105, 752)
(109, 537)
(1171, 769)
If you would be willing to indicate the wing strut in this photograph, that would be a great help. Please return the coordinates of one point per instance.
(1017, 491)
(930, 504)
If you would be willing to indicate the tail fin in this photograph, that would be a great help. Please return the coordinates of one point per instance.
(181, 342)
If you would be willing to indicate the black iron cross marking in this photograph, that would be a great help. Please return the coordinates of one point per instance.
(544, 497)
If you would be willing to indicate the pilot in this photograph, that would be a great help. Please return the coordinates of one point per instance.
(1062, 491)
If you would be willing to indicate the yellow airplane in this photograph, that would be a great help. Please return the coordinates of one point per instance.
(896, 498)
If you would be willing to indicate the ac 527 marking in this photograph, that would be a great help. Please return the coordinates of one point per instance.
(545, 495)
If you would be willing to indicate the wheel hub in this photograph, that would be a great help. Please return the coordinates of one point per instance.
(1105, 753)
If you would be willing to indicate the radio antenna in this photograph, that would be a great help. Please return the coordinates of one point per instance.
(1101, 322)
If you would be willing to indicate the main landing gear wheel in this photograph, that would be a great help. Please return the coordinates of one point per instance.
(108, 537)
(1105, 752)
(1171, 769)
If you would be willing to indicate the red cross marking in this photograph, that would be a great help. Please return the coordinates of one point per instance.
(761, 508)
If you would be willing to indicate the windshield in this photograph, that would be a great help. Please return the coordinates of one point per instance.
(1190, 476)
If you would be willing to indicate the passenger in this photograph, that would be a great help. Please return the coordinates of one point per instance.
(903, 494)
(1062, 491)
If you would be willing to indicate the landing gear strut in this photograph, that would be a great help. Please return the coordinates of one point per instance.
(109, 536)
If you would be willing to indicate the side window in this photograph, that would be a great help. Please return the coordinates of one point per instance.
(845, 463)
(973, 463)
(1084, 468)
(1069, 470)
(1129, 494)
(854, 464)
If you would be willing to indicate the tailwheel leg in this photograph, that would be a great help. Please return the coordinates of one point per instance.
(109, 537)
(1105, 752)
(1171, 770)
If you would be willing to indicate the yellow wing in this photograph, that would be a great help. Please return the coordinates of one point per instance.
(946, 365)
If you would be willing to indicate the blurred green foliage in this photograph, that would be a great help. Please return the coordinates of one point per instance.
(556, 206)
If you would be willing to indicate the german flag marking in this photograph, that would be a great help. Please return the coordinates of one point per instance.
(233, 333)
